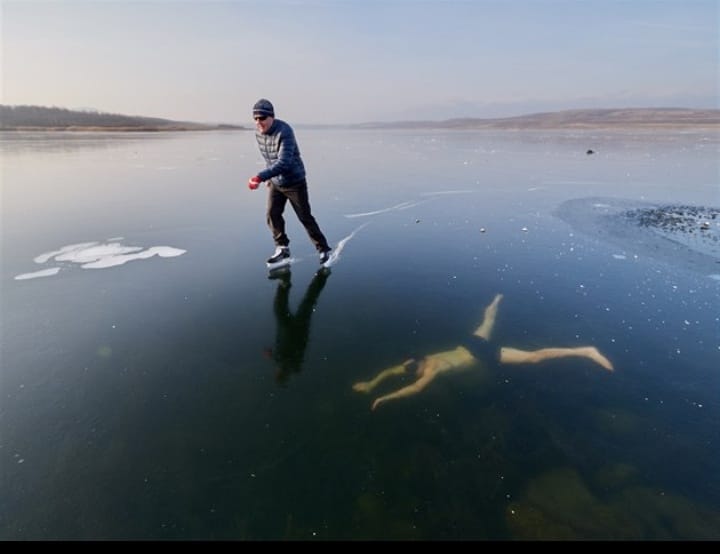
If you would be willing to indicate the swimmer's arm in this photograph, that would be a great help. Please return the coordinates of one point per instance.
(410, 390)
(367, 386)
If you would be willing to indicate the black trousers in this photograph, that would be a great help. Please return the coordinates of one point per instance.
(299, 200)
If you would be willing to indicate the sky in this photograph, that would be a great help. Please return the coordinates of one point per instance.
(353, 61)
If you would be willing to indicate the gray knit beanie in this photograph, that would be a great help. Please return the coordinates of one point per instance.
(263, 107)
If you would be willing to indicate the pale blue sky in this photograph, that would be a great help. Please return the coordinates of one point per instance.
(347, 61)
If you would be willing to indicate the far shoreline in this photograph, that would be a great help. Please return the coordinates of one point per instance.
(706, 127)
(123, 129)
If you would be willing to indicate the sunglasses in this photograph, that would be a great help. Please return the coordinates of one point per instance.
(260, 117)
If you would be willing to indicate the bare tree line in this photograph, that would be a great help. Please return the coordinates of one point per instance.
(28, 117)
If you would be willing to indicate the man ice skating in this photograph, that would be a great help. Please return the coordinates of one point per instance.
(285, 176)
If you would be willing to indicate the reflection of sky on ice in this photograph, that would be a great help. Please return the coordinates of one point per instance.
(95, 255)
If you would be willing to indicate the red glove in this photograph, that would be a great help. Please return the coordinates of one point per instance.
(254, 182)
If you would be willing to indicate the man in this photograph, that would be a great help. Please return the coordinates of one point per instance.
(477, 348)
(285, 176)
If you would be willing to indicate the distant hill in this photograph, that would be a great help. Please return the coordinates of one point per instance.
(573, 119)
(29, 118)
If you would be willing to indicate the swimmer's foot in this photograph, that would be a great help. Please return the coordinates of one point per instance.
(486, 327)
(594, 354)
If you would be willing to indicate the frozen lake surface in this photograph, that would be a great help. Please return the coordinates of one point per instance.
(158, 383)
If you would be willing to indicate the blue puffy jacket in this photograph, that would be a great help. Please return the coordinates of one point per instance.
(282, 155)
